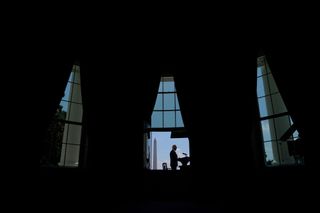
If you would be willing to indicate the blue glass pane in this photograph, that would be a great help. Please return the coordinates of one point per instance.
(158, 105)
(66, 96)
(168, 86)
(265, 130)
(262, 107)
(259, 71)
(65, 106)
(268, 151)
(177, 102)
(179, 119)
(168, 101)
(260, 87)
(160, 87)
(169, 119)
(296, 134)
(156, 119)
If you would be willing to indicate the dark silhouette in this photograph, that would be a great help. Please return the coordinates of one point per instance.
(184, 161)
(173, 158)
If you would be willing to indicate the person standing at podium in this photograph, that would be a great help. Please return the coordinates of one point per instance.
(173, 158)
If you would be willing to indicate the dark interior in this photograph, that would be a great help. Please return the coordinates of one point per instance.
(216, 85)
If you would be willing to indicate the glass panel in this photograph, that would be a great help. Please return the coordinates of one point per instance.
(260, 87)
(168, 86)
(265, 130)
(66, 96)
(62, 156)
(278, 104)
(168, 101)
(282, 125)
(71, 77)
(160, 87)
(272, 129)
(65, 133)
(177, 101)
(179, 119)
(268, 152)
(169, 119)
(267, 67)
(76, 93)
(74, 134)
(296, 134)
(75, 112)
(259, 71)
(272, 84)
(65, 106)
(77, 75)
(156, 119)
(72, 155)
(158, 105)
(263, 69)
(263, 106)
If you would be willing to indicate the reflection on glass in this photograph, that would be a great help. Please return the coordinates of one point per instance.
(156, 119)
(169, 119)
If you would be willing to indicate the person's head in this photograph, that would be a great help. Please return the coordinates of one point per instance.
(174, 147)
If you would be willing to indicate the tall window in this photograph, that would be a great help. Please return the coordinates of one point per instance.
(166, 113)
(64, 133)
(275, 120)
(166, 129)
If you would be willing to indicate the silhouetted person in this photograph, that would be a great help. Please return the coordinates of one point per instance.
(173, 158)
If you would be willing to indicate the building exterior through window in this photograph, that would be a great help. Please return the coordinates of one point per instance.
(62, 144)
(166, 129)
(275, 120)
